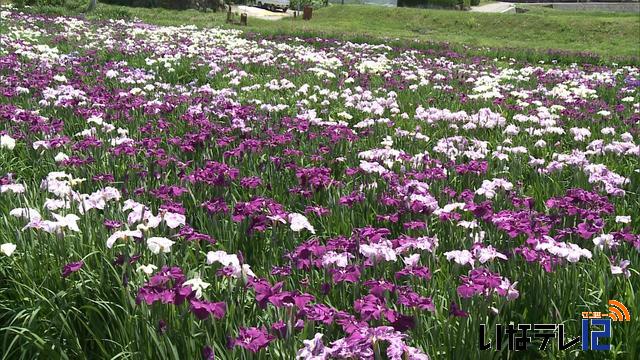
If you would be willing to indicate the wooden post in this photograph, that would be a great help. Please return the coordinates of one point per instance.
(243, 19)
(306, 12)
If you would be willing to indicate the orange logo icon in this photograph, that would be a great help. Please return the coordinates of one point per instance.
(618, 312)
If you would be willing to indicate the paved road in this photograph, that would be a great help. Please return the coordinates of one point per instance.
(497, 7)
(505, 7)
(595, 6)
(258, 13)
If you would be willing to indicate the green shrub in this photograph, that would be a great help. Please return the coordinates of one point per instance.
(112, 13)
(174, 4)
(141, 3)
(168, 4)
(54, 7)
(302, 3)
(49, 10)
(76, 5)
(475, 2)
(443, 3)
(43, 3)
(436, 4)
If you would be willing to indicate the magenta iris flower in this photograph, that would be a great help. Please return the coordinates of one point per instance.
(253, 339)
(203, 309)
(112, 224)
(208, 353)
(456, 311)
(71, 268)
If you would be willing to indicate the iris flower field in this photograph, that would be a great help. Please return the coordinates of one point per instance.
(185, 193)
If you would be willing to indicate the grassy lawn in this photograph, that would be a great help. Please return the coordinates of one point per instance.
(608, 35)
